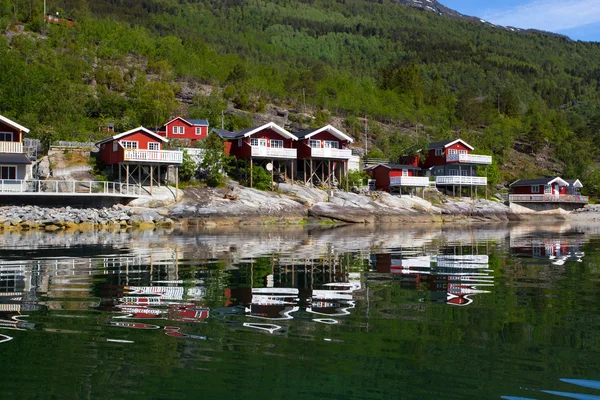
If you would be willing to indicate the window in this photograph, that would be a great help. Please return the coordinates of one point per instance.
(454, 172)
(331, 144)
(8, 172)
(548, 189)
(258, 142)
(438, 152)
(452, 151)
(115, 146)
(404, 172)
(535, 188)
(198, 131)
(462, 152)
(129, 144)
(464, 172)
(6, 137)
(178, 130)
(153, 146)
(315, 144)
(277, 143)
(240, 142)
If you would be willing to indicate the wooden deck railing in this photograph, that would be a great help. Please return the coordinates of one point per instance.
(164, 156)
(11, 147)
(413, 181)
(461, 180)
(61, 188)
(469, 158)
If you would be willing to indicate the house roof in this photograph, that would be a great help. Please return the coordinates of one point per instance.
(539, 181)
(575, 183)
(193, 122)
(308, 133)
(394, 167)
(448, 143)
(14, 158)
(223, 133)
(251, 131)
(138, 129)
(13, 124)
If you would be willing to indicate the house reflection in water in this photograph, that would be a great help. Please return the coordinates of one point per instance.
(322, 288)
(557, 250)
(450, 279)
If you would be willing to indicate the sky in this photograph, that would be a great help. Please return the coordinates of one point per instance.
(578, 19)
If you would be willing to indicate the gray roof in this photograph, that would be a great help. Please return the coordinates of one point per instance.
(224, 133)
(395, 166)
(201, 122)
(302, 134)
(530, 182)
(14, 158)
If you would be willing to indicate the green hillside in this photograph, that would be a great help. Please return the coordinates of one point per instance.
(130, 61)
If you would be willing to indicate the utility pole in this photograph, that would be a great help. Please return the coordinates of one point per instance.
(366, 136)
(44, 11)
(304, 100)
(222, 120)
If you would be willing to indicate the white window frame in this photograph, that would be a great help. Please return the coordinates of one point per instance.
(314, 143)
(276, 143)
(12, 137)
(154, 144)
(198, 131)
(464, 172)
(454, 172)
(535, 188)
(9, 168)
(452, 152)
(178, 130)
(331, 144)
(439, 152)
(129, 144)
(463, 152)
(547, 189)
(404, 172)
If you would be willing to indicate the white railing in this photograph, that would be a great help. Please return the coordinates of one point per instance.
(166, 156)
(461, 180)
(330, 153)
(409, 181)
(469, 158)
(11, 147)
(275, 152)
(68, 187)
(547, 198)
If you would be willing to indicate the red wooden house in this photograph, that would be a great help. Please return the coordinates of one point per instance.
(188, 129)
(393, 177)
(265, 144)
(546, 190)
(453, 165)
(14, 164)
(324, 153)
(139, 151)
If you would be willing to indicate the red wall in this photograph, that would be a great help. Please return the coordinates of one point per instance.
(17, 135)
(303, 146)
(433, 160)
(189, 131)
(382, 176)
(108, 156)
(527, 189)
(245, 150)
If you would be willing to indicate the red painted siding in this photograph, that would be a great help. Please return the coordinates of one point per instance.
(382, 176)
(189, 131)
(433, 160)
(303, 146)
(108, 156)
(556, 189)
(244, 151)
(17, 134)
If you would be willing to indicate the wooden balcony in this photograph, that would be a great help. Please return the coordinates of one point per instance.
(548, 198)
(469, 159)
(461, 180)
(273, 152)
(410, 181)
(153, 156)
(330, 153)
(11, 147)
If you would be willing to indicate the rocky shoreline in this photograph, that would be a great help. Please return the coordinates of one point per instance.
(290, 204)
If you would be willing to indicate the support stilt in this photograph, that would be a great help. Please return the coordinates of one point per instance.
(176, 183)
(127, 172)
(292, 170)
(347, 166)
(305, 165)
(151, 177)
(250, 171)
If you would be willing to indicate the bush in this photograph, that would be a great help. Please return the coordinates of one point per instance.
(357, 178)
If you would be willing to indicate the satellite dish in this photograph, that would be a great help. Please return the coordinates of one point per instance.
(269, 167)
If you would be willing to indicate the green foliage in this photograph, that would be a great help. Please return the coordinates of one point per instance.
(214, 160)
(357, 178)
(187, 170)
(261, 179)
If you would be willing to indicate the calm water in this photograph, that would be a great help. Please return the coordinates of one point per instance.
(509, 311)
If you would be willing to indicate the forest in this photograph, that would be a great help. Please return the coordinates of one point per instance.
(414, 75)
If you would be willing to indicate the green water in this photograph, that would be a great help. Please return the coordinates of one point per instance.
(493, 311)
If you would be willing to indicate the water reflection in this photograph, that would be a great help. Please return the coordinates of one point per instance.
(583, 383)
(370, 299)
